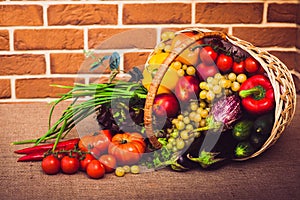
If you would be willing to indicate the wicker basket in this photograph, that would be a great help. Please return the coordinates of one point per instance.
(278, 73)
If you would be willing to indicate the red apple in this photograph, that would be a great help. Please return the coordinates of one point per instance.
(187, 88)
(166, 105)
(205, 71)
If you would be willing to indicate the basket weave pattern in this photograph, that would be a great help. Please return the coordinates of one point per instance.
(279, 75)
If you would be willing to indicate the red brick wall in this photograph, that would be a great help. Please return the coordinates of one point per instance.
(42, 42)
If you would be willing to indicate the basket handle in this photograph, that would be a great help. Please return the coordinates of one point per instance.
(159, 76)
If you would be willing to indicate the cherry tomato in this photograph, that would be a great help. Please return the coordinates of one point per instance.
(224, 62)
(51, 165)
(127, 148)
(95, 169)
(238, 67)
(208, 55)
(260, 70)
(85, 161)
(109, 162)
(120, 171)
(205, 71)
(69, 165)
(251, 65)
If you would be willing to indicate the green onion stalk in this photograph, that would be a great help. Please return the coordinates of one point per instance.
(100, 94)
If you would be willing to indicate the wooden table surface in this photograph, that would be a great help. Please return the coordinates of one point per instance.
(275, 174)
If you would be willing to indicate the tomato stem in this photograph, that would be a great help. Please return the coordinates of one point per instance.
(123, 141)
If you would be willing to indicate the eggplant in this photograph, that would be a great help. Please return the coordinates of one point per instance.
(183, 163)
(227, 111)
(216, 150)
(224, 113)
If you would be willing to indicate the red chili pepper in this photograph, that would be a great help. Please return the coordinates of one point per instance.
(66, 145)
(37, 156)
(258, 95)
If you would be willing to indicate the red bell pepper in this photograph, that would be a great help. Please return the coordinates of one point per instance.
(257, 95)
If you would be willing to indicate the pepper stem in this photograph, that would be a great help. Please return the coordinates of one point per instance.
(257, 92)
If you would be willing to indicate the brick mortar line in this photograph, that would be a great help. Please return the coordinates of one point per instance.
(45, 15)
(13, 88)
(41, 76)
(145, 26)
(80, 51)
(33, 100)
(193, 13)
(140, 1)
(47, 61)
(120, 14)
(11, 40)
(86, 38)
(43, 52)
(265, 13)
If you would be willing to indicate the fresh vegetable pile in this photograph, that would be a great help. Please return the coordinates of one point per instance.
(214, 104)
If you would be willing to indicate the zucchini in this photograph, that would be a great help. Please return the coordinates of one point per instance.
(242, 130)
(263, 124)
(243, 149)
(257, 140)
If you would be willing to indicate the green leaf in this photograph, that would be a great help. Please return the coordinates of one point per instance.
(99, 62)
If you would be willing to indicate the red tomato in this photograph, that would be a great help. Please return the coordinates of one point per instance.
(85, 143)
(224, 62)
(69, 165)
(102, 140)
(238, 67)
(205, 71)
(85, 161)
(208, 55)
(109, 162)
(82, 146)
(51, 165)
(97, 143)
(127, 148)
(260, 70)
(251, 65)
(95, 169)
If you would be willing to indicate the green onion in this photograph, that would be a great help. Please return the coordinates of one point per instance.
(100, 94)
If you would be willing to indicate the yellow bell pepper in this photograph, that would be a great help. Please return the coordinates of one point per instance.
(170, 79)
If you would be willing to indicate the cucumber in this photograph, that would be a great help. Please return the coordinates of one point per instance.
(242, 130)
